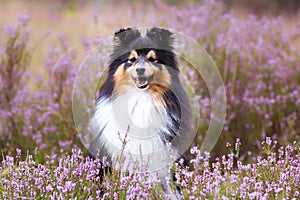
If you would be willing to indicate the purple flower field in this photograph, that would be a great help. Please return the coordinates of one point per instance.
(274, 175)
(256, 157)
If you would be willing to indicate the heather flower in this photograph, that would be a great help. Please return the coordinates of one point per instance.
(23, 18)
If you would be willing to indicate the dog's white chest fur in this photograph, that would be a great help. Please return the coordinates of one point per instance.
(132, 125)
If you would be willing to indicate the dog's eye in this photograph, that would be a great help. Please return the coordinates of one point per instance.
(151, 59)
(132, 59)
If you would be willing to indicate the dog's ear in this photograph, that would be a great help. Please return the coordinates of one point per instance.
(161, 36)
(124, 37)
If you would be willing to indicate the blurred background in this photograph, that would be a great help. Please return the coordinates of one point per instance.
(79, 19)
(254, 43)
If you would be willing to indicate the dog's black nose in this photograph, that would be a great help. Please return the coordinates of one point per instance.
(140, 71)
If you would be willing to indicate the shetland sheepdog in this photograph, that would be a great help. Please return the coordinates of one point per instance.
(142, 114)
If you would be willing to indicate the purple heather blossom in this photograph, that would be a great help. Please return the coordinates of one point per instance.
(23, 17)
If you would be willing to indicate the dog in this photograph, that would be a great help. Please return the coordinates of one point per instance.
(142, 113)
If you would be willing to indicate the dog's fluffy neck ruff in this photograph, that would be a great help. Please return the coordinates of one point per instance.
(134, 124)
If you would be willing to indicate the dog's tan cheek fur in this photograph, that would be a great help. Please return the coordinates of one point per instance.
(160, 84)
(122, 79)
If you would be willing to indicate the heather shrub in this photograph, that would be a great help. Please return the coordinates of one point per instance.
(38, 118)
(15, 57)
(274, 175)
(54, 120)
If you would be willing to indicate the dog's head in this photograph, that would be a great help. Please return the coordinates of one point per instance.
(143, 61)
